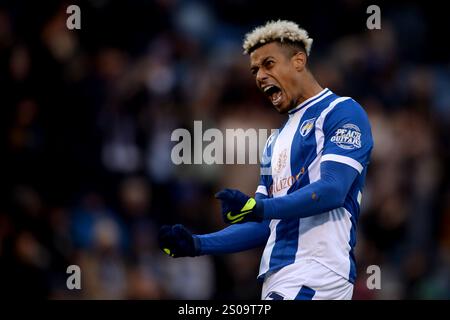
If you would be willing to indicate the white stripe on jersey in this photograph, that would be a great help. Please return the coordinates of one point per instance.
(326, 226)
(265, 259)
(343, 159)
(314, 170)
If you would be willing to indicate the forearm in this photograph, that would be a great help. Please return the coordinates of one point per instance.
(235, 238)
(313, 199)
(323, 195)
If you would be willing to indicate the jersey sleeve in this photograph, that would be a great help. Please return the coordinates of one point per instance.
(347, 135)
(235, 238)
(327, 193)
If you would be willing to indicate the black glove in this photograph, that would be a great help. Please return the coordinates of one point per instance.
(177, 241)
(237, 207)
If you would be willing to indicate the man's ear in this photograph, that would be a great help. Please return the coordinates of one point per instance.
(299, 61)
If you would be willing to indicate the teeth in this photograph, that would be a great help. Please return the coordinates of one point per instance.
(276, 99)
(267, 88)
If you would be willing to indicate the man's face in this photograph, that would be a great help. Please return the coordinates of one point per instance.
(274, 73)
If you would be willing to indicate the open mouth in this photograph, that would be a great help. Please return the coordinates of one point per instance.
(274, 93)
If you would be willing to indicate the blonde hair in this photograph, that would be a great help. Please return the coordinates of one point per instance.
(281, 30)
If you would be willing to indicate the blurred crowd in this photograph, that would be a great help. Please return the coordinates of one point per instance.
(87, 115)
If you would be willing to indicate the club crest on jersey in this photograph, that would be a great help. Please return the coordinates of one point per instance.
(307, 126)
(348, 137)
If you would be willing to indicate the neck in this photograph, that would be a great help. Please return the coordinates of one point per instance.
(307, 89)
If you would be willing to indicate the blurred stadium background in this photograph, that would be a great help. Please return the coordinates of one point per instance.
(86, 118)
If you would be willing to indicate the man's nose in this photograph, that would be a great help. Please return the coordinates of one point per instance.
(261, 76)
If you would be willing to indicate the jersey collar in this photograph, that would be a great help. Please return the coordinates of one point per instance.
(310, 101)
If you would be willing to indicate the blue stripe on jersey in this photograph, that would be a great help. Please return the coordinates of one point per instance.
(275, 296)
(352, 241)
(352, 206)
(299, 159)
(285, 244)
(352, 273)
(305, 293)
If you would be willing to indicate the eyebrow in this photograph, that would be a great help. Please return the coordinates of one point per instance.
(262, 62)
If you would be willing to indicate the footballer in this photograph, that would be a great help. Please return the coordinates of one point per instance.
(306, 206)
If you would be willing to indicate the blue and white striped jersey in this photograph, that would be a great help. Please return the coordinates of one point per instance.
(325, 127)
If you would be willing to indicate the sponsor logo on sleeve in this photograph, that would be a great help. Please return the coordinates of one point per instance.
(348, 137)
